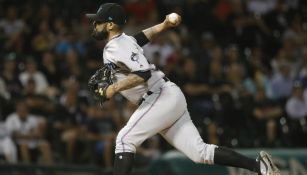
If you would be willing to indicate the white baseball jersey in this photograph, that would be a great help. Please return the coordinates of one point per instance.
(163, 111)
(14, 124)
(127, 55)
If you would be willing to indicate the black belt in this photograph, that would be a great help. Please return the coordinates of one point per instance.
(150, 92)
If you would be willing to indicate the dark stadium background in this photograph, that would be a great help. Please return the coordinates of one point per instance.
(241, 64)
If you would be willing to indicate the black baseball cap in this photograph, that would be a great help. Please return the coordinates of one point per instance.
(109, 12)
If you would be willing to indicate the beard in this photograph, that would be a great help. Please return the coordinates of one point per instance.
(100, 35)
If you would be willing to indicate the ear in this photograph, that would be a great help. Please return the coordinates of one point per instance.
(110, 25)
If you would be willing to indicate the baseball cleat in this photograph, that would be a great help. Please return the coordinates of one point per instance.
(267, 166)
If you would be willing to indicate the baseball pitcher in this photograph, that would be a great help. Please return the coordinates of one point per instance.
(162, 106)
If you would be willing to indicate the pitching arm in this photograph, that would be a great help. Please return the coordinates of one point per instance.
(146, 35)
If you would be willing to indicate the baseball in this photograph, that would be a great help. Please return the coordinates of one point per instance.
(173, 17)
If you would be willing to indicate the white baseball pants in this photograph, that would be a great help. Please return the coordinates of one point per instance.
(8, 149)
(165, 112)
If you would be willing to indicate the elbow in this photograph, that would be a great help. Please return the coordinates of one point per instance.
(145, 75)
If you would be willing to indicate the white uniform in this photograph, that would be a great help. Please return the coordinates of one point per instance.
(13, 124)
(164, 111)
(7, 146)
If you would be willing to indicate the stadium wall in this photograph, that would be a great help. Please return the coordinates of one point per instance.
(290, 162)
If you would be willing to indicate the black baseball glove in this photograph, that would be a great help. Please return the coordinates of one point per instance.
(99, 82)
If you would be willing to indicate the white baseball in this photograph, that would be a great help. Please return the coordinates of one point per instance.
(173, 17)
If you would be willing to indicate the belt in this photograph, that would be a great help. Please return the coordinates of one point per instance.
(148, 93)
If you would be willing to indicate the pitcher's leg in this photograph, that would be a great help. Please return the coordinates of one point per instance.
(149, 119)
(123, 163)
(159, 111)
(184, 136)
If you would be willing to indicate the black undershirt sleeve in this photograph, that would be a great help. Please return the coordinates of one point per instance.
(144, 74)
(141, 39)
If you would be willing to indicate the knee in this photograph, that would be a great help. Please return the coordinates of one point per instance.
(205, 154)
(69, 135)
(44, 145)
(125, 143)
(24, 147)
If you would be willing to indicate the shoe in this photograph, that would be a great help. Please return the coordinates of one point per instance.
(267, 166)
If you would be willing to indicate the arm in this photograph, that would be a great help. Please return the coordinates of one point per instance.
(131, 81)
(146, 35)
(196, 89)
(35, 133)
(152, 31)
(29, 136)
(273, 112)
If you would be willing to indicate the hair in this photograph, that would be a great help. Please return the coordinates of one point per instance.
(119, 27)
(20, 100)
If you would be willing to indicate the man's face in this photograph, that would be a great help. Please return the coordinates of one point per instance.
(100, 30)
(22, 110)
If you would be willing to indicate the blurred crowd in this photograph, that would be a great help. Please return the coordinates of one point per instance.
(241, 64)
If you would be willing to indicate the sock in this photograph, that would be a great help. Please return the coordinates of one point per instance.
(123, 163)
(228, 157)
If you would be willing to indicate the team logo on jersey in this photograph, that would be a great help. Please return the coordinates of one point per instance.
(135, 57)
